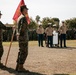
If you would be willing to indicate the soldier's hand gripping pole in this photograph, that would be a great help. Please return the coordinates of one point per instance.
(9, 47)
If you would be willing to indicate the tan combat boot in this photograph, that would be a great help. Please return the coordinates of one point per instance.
(21, 68)
(17, 67)
(1, 65)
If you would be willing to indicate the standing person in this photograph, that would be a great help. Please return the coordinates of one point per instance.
(62, 31)
(23, 39)
(46, 39)
(55, 36)
(2, 26)
(49, 33)
(40, 32)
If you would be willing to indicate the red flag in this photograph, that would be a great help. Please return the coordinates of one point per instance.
(18, 13)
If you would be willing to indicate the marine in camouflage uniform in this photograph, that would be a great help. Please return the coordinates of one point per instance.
(23, 41)
(2, 26)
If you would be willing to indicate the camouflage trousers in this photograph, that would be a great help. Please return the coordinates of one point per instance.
(23, 50)
(1, 50)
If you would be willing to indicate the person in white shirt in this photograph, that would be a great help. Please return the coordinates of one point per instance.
(40, 32)
(63, 30)
(49, 34)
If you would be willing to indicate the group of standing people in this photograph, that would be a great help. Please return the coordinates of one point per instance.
(49, 35)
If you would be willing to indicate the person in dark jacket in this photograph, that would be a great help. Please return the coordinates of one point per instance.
(2, 26)
(22, 28)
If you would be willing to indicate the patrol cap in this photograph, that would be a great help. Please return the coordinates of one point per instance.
(23, 7)
(0, 13)
(49, 24)
(54, 25)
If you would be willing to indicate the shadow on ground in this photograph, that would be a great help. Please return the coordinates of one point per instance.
(12, 71)
(68, 48)
(61, 74)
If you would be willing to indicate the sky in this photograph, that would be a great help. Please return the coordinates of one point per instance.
(62, 9)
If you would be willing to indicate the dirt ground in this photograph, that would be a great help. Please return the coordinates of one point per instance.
(42, 61)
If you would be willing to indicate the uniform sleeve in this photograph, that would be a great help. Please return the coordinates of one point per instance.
(17, 32)
(37, 31)
(18, 27)
(59, 29)
(8, 28)
(43, 31)
(2, 26)
(66, 28)
(46, 30)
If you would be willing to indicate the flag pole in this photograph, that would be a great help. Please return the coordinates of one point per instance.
(9, 47)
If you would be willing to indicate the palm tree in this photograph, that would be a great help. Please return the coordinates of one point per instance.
(37, 18)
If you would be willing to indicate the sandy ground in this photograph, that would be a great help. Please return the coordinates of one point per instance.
(42, 61)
